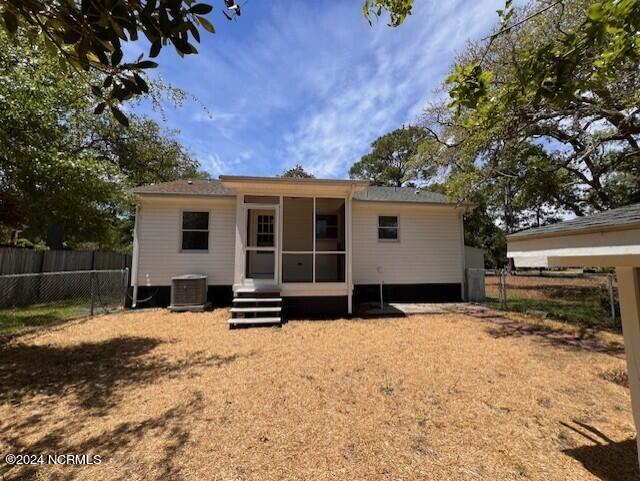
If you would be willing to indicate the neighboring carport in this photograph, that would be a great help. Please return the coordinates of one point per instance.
(606, 239)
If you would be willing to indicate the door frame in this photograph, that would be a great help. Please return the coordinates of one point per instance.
(275, 249)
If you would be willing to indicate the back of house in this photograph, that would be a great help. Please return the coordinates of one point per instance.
(320, 247)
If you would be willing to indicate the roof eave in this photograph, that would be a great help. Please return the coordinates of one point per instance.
(179, 194)
(239, 179)
(417, 202)
(520, 236)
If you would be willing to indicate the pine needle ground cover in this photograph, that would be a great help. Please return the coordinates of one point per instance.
(181, 397)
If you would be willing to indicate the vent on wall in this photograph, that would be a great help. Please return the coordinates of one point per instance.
(189, 293)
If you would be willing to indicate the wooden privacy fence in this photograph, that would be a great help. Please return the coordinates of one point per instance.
(26, 261)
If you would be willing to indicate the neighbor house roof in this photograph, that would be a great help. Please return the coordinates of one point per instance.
(620, 218)
(216, 188)
(401, 194)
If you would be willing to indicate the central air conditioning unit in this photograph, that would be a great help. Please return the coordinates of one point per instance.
(189, 293)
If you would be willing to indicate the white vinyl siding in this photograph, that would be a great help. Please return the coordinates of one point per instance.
(429, 251)
(160, 238)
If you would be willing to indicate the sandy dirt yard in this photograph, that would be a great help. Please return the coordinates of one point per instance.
(441, 397)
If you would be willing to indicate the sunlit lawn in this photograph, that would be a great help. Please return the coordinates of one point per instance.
(586, 312)
(581, 301)
(16, 319)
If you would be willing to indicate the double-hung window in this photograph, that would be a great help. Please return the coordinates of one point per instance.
(388, 228)
(195, 231)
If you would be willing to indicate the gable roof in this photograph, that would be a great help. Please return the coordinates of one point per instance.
(186, 187)
(215, 188)
(376, 193)
(608, 220)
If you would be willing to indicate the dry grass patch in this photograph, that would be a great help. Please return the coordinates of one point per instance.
(179, 396)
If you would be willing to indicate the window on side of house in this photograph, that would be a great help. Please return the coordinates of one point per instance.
(388, 228)
(195, 231)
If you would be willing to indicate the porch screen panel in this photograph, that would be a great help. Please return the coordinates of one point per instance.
(297, 267)
(330, 267)
(330, 225)
(297, 224)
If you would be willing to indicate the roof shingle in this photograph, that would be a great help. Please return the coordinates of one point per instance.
(629, 215)
(186, 187)
(215, 188)
(401, 194)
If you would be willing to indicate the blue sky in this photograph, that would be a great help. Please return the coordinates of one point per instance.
(310, 82)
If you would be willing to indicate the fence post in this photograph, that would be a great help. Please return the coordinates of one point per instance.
(125, 285)
(612, 300)
(91, 289)
(503, 289)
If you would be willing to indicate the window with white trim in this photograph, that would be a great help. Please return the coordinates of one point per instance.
(195, 231)
(388, 228)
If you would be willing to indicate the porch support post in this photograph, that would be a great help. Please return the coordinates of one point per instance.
(629, 290)
(349, 217)
(239, 263)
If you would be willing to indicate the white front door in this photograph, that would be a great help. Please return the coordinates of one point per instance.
(261, 244)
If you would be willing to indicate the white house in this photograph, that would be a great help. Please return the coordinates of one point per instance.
(607, 239)
(320, 246)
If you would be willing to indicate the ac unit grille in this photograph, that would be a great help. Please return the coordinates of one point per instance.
(189, 291)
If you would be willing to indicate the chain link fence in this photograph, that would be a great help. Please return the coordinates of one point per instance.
(86, 292)
(589, 299)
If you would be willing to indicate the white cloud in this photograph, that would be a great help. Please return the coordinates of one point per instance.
(390, 89)
(312, 83)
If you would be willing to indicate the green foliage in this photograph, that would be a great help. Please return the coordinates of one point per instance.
(506, 13)
(480, 230)
(563, 76)
(62, 164)
(297, 172)
(526, 189)
(398, 10)
(591, 53)
(88, 36)
(392, 159)
(469, 83)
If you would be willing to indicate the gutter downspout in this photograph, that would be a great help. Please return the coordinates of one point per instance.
(350, 253)
(135, 260)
